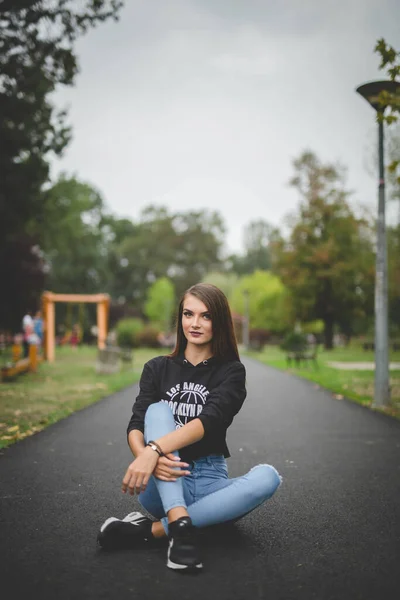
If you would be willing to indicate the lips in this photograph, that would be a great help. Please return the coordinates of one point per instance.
(195, 333)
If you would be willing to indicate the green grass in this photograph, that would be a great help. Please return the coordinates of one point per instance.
(352, 384)
(33, 401)
(36, 400)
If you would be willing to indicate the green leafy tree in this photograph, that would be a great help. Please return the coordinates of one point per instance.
(393, 236)
(268, 306)
(37, 54)
(116, 232)
(160, 304)
(257, 239)
(327, 261)
(227, 282)
(23, 272)
(73, 241)
(181, 246)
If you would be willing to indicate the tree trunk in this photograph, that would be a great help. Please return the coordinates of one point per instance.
(328, 333)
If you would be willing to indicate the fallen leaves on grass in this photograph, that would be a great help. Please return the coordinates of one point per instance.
(17, 433)
(12, 429)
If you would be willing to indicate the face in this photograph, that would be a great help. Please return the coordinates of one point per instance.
(196, 322)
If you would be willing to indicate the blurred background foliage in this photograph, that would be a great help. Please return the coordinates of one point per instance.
(61, 235)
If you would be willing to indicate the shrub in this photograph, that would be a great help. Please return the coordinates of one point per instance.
(148, 337)
(258, 337)
(294, 342)
(127, 332)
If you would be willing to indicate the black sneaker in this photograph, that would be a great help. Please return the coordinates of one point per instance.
(182, 549)
(124, 533)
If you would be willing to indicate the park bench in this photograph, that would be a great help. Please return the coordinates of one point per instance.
(305, 356)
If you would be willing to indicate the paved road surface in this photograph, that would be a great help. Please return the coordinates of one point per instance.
(331, 532)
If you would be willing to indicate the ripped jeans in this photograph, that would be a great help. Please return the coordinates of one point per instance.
(208, 494)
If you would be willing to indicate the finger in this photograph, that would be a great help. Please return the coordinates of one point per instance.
(173, 464)
(125, 482)
(138, 485)
(171, 456)
(178, 473)
(175, 459)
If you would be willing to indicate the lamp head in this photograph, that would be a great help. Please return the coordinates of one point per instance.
(370, 91)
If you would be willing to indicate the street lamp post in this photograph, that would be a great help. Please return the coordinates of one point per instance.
(371, 91)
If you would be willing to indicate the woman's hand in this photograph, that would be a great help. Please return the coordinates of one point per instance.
(139, 472)
(168, 468)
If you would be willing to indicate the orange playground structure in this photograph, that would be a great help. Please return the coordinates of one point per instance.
(48, 306)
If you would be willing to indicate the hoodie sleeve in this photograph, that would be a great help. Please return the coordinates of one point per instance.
(148, 394)
(225, 401)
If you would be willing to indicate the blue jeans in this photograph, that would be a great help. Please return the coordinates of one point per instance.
(208, 494)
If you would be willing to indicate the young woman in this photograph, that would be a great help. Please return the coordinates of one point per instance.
(177, 433)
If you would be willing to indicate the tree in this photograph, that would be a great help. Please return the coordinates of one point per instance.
(227, 282)
(36, 55)
(73, 241)
(394, 280)
(327, 261)
(160, 304)
(23, 272)
(257, 238)
(267, 295)
(181, 246)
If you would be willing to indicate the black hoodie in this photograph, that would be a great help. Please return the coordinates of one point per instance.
(212, 391)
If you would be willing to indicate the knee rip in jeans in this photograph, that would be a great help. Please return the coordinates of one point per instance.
(272, 480)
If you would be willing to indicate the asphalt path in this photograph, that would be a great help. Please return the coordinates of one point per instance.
(332, 530)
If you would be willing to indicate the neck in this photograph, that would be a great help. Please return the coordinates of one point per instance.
(196, 354)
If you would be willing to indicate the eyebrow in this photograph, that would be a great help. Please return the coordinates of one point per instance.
(206, 312)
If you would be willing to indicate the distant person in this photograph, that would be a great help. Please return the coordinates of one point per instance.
(27, 330)
(177, 432)
(38, 326)
(75, 336)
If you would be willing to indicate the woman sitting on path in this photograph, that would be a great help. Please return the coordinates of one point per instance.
(177, 433)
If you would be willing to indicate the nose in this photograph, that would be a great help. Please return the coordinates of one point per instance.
(195, 323)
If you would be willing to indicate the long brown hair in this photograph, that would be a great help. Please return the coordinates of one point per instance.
(223, 343)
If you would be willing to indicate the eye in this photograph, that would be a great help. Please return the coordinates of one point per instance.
(187, 313)
(207, 316)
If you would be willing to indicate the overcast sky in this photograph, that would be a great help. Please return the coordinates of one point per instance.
(198, 104)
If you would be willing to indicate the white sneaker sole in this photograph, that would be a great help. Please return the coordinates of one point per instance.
(107, 522)
(179, 566)
(131, 518)
(172, 565)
